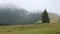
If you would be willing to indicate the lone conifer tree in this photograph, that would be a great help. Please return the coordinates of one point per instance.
(45, 17)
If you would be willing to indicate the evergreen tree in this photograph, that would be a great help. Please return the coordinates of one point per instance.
(45, 17)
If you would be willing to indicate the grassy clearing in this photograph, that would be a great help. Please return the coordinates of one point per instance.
(31, 29)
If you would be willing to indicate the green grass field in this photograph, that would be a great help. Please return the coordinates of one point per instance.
(31, 29)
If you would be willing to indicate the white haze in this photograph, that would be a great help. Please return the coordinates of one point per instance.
(52, 6)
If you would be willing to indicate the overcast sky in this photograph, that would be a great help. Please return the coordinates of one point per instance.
(31, 5)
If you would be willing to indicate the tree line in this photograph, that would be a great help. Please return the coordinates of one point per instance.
(15, 16)
(18, 16)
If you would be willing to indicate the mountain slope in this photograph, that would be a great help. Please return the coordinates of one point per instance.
(54, 18)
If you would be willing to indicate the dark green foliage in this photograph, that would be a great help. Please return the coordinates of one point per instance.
(2, 24)
(45, 17)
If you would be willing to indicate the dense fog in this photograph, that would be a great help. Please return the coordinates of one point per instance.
(16, 16)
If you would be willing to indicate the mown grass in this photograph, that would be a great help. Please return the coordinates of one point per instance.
(31, 29)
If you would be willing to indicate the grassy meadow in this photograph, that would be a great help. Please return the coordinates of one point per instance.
(31, 29)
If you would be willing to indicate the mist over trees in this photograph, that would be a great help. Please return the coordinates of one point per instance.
(11, 16)
(15, 16)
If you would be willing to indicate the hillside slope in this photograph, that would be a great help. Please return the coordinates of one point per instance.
(54, 18)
